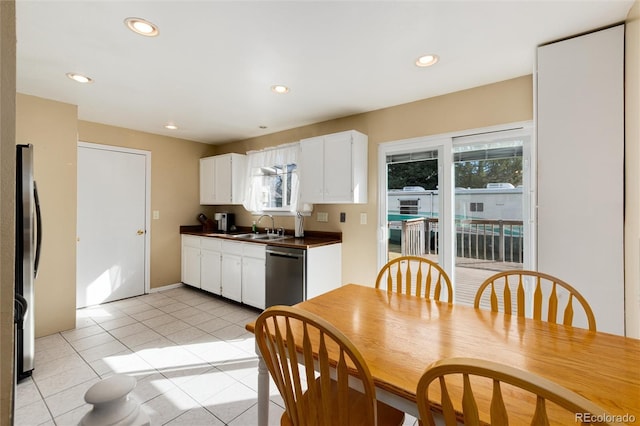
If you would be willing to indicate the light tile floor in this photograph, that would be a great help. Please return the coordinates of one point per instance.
(193, 359)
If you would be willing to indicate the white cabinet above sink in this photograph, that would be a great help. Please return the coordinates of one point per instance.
(333, 168)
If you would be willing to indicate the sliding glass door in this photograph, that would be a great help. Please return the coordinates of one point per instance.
(412, 203)
(490, 203)
(415, 200)
(462, 201)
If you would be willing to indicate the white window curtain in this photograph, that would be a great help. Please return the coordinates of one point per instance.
(280, 156)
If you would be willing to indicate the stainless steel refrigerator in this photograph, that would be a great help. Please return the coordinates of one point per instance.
(28, 243)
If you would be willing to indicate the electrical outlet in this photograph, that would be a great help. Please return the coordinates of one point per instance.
(323, 217)
(363, 218)
(156, 214)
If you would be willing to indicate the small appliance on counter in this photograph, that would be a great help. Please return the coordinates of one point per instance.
(226, 222)
(207, 224)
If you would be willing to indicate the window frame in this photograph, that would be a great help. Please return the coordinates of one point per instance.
(282, 158)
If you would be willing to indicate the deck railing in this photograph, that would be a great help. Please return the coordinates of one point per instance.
(412, 242)
(495, 240)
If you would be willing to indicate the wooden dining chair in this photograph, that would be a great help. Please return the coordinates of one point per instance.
(314, 367)
(505, 288)
(416, 276)
(447, 388)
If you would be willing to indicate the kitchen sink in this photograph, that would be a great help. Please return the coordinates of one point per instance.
(261, 237)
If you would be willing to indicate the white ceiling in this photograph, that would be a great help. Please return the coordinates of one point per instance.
(211, 68)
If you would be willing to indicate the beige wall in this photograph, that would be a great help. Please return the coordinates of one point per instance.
(632, 171)
(174, 189)
(7, 202)
(51, 127)
(499, 103)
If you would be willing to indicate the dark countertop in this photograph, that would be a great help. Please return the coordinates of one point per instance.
(311, 238)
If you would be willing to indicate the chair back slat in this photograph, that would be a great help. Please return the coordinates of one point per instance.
(447, 406)
(455, 379)
(568, 311)
(507, 299)
(296, 377)
(540, 416)
(343, 389)
(438, 288)
(416, 276)
(325, 379)
(537, 300)
(287, 378)
(498, 408)
(407, 279)
(494, 299)
(547, 293)
(469, 406)
(552, 313)
(521, 297)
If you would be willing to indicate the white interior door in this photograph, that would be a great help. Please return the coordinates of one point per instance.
(112, 219)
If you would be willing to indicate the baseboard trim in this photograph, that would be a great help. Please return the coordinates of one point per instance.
(165, 287)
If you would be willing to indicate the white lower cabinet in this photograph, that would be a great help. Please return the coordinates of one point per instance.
(210, 265)
(236, 270)
(324, 269)
(201, 263)
(190, 271)
(253, 275)
(232, 270)
(243, 272)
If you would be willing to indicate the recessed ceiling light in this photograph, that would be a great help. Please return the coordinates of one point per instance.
(79, 78)
(280, 89)
(426, 60)
(142, 27)
(171, 126)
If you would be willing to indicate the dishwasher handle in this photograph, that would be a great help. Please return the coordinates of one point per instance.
(285, 254)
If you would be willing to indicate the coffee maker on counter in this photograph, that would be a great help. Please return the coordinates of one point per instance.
(223, 222)
(226, 222)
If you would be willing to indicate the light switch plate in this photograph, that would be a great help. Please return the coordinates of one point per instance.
(323, 217)
(363, 218)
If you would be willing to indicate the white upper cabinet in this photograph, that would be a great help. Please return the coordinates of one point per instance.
(222, 179)
(333, 168)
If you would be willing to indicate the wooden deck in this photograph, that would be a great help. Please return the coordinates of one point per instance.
(469, 274)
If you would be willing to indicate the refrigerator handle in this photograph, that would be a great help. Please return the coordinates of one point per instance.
(38, 230)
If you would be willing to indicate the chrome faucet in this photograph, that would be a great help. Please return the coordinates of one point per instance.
(273, 224)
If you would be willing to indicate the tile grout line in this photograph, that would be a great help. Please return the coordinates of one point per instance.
(217, 309)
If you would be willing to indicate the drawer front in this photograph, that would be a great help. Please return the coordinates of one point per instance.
(211, 243)
(191, 241)
(254, 250)
(232, 247)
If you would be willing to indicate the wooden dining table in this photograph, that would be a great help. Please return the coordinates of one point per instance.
(400, 335)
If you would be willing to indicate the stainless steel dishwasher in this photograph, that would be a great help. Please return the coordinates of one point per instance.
(286, 276)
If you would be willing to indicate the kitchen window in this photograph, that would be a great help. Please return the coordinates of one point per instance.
(272, 176)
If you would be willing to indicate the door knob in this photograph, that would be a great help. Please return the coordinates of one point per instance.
(140, 232)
